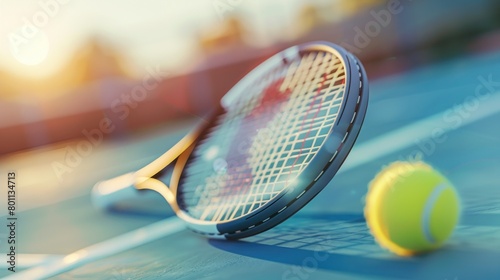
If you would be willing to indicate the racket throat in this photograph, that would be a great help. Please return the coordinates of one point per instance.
(154, 184)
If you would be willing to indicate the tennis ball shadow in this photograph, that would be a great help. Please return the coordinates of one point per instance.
(342, 243)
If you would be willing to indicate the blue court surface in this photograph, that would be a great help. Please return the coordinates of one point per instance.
(447, 113)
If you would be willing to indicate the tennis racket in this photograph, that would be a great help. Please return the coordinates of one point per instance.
(274, 142)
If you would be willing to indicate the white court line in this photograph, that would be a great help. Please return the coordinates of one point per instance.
(364, 152)
(407, 136)
(104, 249)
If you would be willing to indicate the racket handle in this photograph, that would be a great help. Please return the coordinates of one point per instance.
(107, 193)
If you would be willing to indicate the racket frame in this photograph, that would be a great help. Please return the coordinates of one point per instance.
(343, 135)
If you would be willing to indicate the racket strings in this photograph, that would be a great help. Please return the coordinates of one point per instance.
(232, 120)
(250, 202)
(292, 133)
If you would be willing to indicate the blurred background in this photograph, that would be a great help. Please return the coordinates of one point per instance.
(127, 67)
(92, 89)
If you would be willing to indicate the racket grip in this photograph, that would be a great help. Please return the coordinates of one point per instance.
(105, 194)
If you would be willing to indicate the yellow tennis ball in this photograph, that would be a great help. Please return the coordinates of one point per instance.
(411, 208)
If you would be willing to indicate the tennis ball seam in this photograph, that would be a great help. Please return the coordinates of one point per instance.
(427, 211)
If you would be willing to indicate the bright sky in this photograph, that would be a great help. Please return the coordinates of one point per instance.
(148, 31)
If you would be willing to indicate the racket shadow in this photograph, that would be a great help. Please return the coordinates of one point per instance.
(334, 242)
(342, 243)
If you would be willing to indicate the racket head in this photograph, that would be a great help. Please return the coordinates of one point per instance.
(299, 114)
